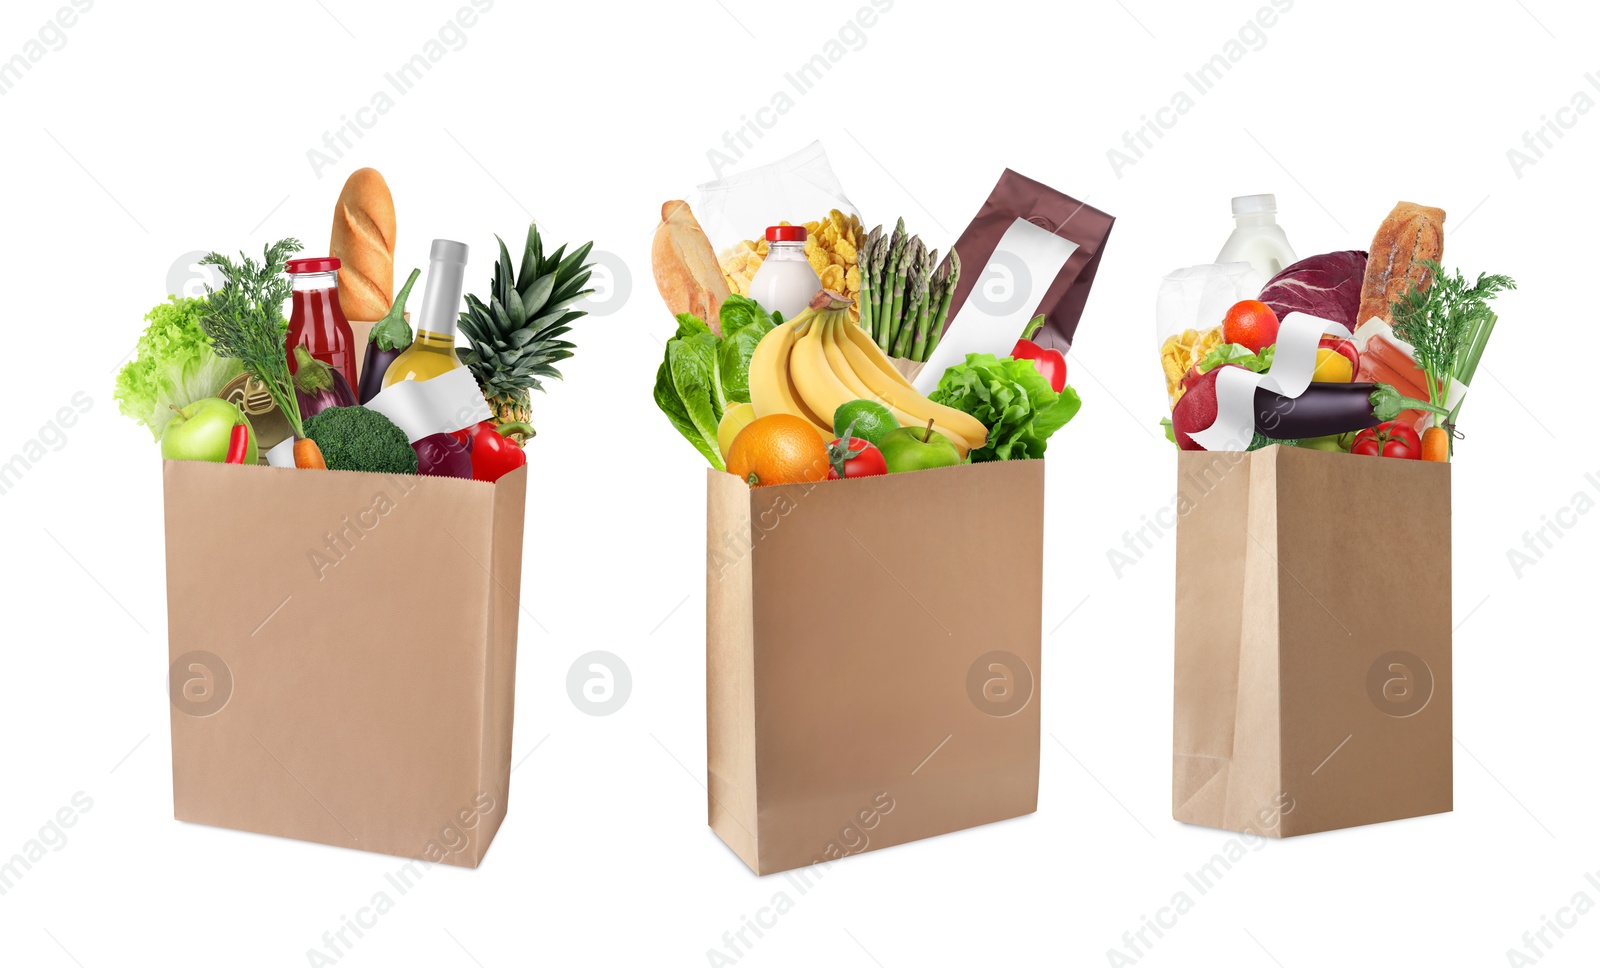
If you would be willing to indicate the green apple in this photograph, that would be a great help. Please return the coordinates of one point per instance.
(201, 430)
(917, 448)
(1338, 443)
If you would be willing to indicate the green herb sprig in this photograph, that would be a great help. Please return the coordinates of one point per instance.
(244, 320)
(1447, 325)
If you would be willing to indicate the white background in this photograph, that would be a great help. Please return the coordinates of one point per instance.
(160, 129)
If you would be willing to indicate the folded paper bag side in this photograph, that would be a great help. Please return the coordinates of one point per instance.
(315, 693)
(873, 732)
(503, 608)
(1254, 796)
(730, 666)
(1212, 652)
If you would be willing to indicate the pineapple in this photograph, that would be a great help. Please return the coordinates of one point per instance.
(516, 337)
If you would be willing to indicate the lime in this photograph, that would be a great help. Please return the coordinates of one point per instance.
(872, 420)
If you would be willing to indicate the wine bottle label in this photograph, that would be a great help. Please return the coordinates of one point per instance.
(442, 405)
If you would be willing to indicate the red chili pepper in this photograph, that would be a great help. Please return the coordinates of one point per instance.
(238, 443)
(495, 448)
(1051, 364)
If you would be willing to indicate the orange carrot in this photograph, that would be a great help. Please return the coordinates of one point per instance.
(1436, 444)
(308, 455)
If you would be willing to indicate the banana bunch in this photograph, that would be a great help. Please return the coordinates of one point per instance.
(820, 359)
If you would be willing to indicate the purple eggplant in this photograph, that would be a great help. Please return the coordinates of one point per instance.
(1325, 409)
(1322, 410)
(318, 386)
(390, 335)
(443, 455)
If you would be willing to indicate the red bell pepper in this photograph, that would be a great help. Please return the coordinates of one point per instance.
(1051, 364)
(496, 448)
(1344, 348)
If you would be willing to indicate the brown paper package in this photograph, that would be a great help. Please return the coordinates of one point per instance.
(342, 650)
(1313, 666)
(872, 658)
(1063, 299)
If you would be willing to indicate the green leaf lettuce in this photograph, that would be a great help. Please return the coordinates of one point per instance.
(1012, 399)
(173, 365)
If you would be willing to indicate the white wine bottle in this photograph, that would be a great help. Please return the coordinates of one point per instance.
(433, 351)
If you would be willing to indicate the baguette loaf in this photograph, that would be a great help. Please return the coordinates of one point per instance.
(363, 242)
(685, 266)
(1409, 235)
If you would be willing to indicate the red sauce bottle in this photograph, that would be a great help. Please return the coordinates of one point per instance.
(315, 320)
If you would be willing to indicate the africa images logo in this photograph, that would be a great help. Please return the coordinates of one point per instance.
(1400, 684)
(1000, 684)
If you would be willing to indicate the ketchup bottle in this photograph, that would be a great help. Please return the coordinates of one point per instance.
(315, 320)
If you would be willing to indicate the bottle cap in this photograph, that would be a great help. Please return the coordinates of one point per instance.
(441, 299)
(786, 233)
(326, 263)
(1255, 205)
(444, 250)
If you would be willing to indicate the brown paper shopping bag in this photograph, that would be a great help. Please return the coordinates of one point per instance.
(1312, 676)
(342, 651)
(872, 658)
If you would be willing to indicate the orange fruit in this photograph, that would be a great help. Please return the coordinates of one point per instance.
(779, 448)
(1252, 324)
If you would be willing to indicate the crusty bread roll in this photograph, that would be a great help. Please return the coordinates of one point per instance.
(1409, 235)
(363, 242)
(686, 266)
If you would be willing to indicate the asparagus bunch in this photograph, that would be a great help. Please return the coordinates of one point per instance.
(905, 292)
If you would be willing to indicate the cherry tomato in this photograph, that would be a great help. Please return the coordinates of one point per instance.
(859, 459)
(1388, 439)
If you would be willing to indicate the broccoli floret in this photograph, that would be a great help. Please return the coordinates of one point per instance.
(1257, 442)
(358, 439)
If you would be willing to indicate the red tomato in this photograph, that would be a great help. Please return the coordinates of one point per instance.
(861, 459)
(1252, 324)
(1388, 439)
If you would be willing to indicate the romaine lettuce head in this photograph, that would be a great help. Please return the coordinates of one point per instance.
(702, 375)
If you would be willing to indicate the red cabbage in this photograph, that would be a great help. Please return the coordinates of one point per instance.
(1327, 285)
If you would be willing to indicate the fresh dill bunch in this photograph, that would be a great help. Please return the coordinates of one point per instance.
(1440, 320)
(244, 320)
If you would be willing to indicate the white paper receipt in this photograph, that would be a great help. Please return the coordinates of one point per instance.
(1010, 287)
(1293, 363)
(441, 405)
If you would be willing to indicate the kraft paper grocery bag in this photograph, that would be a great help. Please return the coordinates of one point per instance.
(872, 658)
(1313, 665)
(343, 654)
